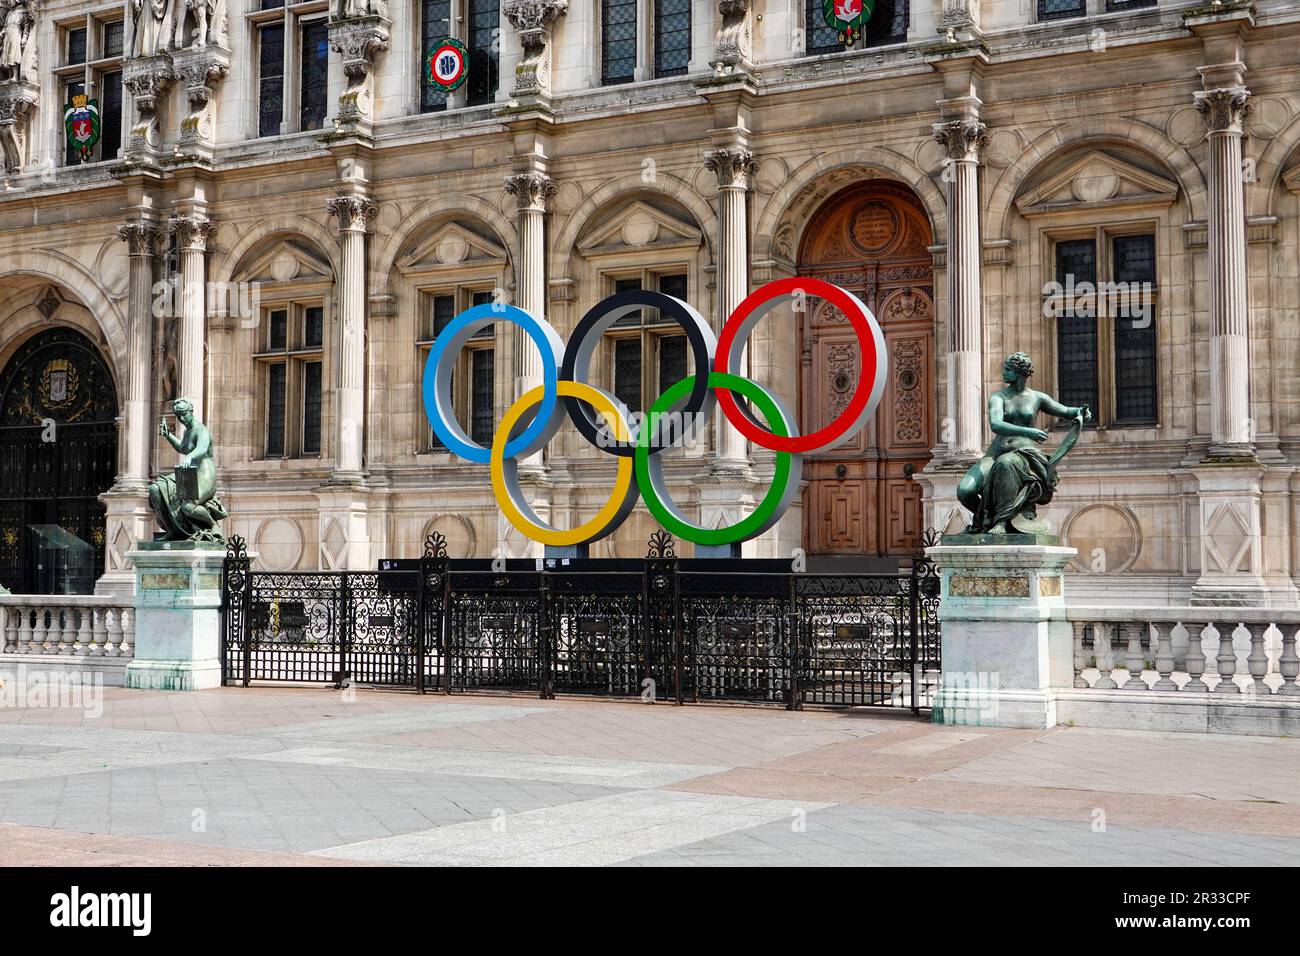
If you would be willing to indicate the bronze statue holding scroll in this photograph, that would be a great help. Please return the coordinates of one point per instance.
(185, 502)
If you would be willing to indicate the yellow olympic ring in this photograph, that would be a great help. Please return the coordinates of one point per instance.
(503, 470)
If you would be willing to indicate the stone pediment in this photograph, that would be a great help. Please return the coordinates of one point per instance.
(452, 245)
(639, 225)
(1291, 179)
(288, 262)
(1097, 179)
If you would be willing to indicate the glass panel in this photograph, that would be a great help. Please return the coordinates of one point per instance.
(628, 285)
(311, 372)
(315, 76)
(672, 361)
(484, 39)
(1135, 370)
(672, 36)
(77, 46)
(668, 285)
(71, 156)
(888, 24)
(1058, 9)
(313, 326)
(1076, 350)
(110, 115)
(270, 103)
(278, 337)
(275, 410)
(627, 372)
(434, 26)
(1135, 259)
(1077, 258)
(483, 297)
(272, 4)
(443, 311)
(113, 33)
(481, 415)
(820, 37)
(618, 41)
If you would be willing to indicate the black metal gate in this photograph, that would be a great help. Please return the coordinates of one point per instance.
(659, 629)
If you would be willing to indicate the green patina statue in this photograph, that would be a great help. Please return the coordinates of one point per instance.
(186, 502)
(1004, 488)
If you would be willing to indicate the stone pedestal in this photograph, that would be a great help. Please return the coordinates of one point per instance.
(1007, 648)
(177, 615)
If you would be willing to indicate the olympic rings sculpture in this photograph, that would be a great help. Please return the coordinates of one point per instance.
(536, 415)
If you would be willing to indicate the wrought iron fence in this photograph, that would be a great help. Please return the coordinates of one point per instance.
(659, 629)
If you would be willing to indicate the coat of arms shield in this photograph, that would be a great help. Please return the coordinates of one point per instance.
(81, 124)
(847, 17)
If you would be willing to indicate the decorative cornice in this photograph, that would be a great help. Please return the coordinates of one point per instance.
(358, 41)
(353, 212)
(734, 166)
(141, 238)
(191, 232)
(532, 191)
(1224, 109)
(962, 140)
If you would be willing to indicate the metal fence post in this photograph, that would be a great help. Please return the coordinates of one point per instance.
(914, 622)
(345, 627)
(544, 637)
(793, 622)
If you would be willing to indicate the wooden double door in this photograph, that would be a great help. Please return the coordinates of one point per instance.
(861, 498)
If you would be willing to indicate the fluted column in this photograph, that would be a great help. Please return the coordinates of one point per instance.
(735, 167)
(1224, 111)
(191, 234)
(963, 141)
(532, 192)
(141, 240)
(354, 214)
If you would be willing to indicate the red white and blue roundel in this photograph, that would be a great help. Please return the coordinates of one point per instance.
(448, 64)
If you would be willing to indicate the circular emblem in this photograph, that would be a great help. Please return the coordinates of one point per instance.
(873, 227)
(448, 64)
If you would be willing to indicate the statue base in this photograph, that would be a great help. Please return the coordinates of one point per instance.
(177, 615)
(1007, 647)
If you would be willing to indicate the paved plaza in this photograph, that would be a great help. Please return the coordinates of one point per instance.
(308, 776)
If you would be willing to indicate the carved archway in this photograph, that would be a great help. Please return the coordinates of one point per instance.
(871, 238)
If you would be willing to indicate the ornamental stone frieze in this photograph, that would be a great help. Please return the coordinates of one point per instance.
(732, 51)
(962, 140)
(18, 100)
(532, 191)
(201, 69)
(147, 78)
(1224, 110)
(534, 20)
(358, 33)
(734, 166)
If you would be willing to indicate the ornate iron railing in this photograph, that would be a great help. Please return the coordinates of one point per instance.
(750, 630)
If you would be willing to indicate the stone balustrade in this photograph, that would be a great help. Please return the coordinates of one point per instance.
(76, 625)
(1221, 650)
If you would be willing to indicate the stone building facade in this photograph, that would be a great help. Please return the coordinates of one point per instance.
(984, 173)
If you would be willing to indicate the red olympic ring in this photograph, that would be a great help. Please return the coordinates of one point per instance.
(871, 381)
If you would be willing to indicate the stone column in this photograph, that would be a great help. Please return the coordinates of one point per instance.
(963, 140)
(191, 234)
(735, 167)
(532, 191)
(1224, 110)
(354, 213)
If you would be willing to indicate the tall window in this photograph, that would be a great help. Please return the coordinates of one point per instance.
(617, 41)
(292, 66)
(473, 385)
(1060, 9)
(435, 25)
(1106, 325)
(888, 24)
(484, 41)
(647, 352)
(623, 55)
(672, 36)
(290, 358)
(91, 65)
(477, 24)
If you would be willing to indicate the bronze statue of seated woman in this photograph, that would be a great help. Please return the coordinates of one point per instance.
(186, 502)
(1004, 488)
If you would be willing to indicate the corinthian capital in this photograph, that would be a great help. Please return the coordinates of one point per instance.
(733, 165)
(191, 232)
(962, 140)
(531, 190)
(1225, 109)
(353, 212)
(141, 238)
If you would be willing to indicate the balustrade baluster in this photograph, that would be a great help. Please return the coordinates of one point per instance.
(1163, 632)
(24, 630)
(41, 633)
(85, 636)
(1105, 660)
(1080, 654)
(10, 620)
(1227, 661)
(127, 647)
(1289, 663)
(1257, 662)
(1133, 659)
(1196, 659)
(112, 632)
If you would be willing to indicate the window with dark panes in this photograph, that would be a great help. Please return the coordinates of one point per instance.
(674, 285)
(110, 115)
(1059, 9)
(270, 93)
(313, 326)
(482, 416)
(484, 32)
(314, 74)
(627, 372)
(77, 46)
(275, 394)
(1076, 328)
(1135, 330)
(435, 26)
(672, 360)
(113, 33)
(672, 32)
(278, 333)
(628, 285)
(617, 41)
(819, 37)
(444, 310)
(311, 405)
(272, 4)
(887, 24)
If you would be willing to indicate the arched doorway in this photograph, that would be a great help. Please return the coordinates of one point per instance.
(58, 453)
(870, 238)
